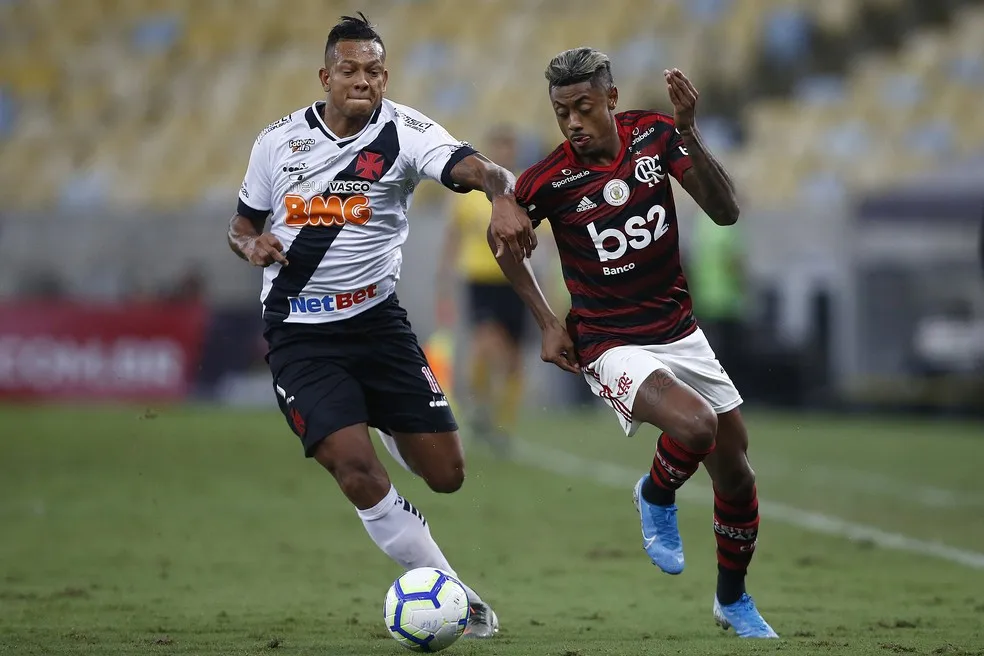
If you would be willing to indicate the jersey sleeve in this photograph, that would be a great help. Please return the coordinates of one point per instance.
(526, 197)
(677, 157)
(256, 190)
(431, 149)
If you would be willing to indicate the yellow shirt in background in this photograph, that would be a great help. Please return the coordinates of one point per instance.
(476, 263)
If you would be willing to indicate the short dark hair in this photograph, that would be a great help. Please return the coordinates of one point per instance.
(580, 65)
(352, 28)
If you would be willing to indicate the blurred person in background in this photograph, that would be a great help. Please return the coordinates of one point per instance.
(718, 284)
(980, 245)
(191, 286)
(631, 331)
(338, 178)
(496, 316)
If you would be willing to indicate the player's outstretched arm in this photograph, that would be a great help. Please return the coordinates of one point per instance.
(557, 346)
(706, 181)
(247, 240)
(511, 227)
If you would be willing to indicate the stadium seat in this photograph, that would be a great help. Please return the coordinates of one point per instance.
(148, 88)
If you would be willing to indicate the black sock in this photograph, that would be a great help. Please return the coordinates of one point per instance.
(655, 494)
(731, 585)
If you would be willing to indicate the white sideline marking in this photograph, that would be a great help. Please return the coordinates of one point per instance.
(872, 483)
(618, 476)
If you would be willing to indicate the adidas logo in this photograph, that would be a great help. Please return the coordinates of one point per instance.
(586, 204)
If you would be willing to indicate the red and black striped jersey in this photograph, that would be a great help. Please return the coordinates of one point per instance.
(617, 235)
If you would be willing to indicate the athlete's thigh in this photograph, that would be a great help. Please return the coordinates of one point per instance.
(402, 393)
(435, 457)
(406, 400)
(692, 360)
(641, 388)
(318, 398)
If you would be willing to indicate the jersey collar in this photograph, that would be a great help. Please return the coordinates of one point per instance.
(315, 122)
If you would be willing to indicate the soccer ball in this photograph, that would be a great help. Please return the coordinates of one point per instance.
(426, 609)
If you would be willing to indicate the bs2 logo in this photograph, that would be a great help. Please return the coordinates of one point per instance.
(637, 233)
(346, 202)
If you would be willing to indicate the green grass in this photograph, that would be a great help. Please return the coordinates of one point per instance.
(201, 531)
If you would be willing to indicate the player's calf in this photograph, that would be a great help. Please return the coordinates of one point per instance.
(655, 496)
(446, 480)
(736, 518)
(689, 427)
(395, 524)
(736, 523)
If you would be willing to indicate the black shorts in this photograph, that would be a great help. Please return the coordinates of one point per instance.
(499, 304)
(366, 369)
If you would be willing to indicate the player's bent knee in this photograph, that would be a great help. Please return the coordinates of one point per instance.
(444, 470)
(448, 478)
(698, 430)
(738, 483)
(745, 483)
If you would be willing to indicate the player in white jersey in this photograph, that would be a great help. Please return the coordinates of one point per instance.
(337, 178)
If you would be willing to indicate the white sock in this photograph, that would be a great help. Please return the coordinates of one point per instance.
(401, 531)
(394, 451)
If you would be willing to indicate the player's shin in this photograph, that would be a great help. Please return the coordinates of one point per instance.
(673, 465)
(401, 531)
(736, 522)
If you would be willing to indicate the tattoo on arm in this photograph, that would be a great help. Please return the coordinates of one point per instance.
(241, 230)
(478, 172)
(708, 181)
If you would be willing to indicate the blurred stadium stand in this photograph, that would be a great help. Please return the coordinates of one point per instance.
(100, 100)
(125, 124)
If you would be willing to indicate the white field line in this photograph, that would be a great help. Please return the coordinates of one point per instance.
(621, 477)
(875, 484)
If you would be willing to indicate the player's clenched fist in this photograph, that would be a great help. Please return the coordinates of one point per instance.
(512, 229)
(264, 250)
(558, 348)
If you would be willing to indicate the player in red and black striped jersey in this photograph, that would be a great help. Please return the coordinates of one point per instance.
(631, 331)
(618, 238)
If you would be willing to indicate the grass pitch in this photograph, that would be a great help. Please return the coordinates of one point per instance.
(204, 531)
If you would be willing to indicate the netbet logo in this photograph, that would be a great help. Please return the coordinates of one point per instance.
(637, 233)
(330, 302)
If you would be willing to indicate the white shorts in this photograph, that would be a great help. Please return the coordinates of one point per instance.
(615, 377)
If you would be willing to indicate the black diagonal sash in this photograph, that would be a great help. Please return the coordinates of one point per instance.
(313, 241)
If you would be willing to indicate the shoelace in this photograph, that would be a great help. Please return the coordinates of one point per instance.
(659, 515)
(750, 613)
